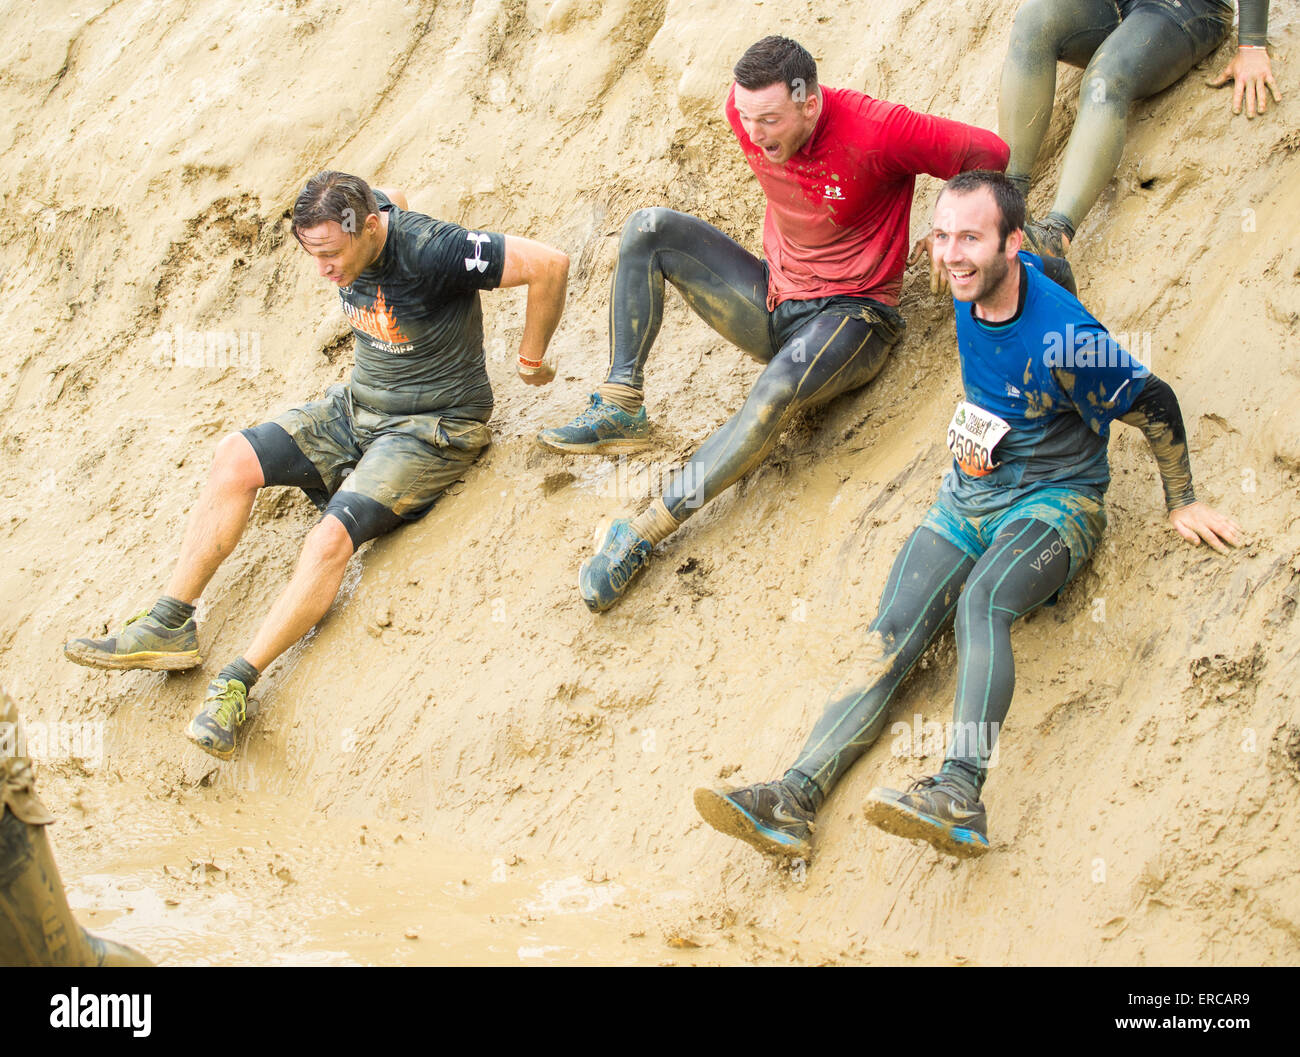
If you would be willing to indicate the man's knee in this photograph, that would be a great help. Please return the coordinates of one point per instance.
(1033, 26)
(976, 606)
(1107, 82)
(361, 517)
(235, 464)
(328, 543)
(773, 397)
(646, 228)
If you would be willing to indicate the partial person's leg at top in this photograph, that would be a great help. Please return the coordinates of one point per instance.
(1152, 49)
(1124, 61)
(1044, 33)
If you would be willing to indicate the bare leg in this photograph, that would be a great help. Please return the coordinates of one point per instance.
(308, 595)
(218, 519)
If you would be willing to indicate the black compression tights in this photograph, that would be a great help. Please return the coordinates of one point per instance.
(1024, 567)
(1154, 44)
(811, 355)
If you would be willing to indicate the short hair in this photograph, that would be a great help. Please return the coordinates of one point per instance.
(333, 196)
(776, 60)
(1006, 195)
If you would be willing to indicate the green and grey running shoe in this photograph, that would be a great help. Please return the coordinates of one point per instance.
(143, 643)
(764, 815)
(601, 429)
(937, 810)
(225, 709)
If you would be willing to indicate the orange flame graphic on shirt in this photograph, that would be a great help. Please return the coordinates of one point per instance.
(378, 320)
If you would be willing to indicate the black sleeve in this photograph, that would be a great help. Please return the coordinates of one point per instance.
(1156, 413)
(1252, 22)
(1059, 271)
(453, 260)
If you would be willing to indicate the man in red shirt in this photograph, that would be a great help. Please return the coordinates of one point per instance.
(839, 170)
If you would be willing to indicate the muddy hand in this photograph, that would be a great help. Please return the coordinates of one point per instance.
(1196, 522)
(1252, 79)
(542, 375)
(938, 273)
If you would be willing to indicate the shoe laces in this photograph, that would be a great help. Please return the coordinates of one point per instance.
(593, 414)
(139, 616)
(230, 704)
(623, 545)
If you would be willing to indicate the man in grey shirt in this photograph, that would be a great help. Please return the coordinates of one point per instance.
(371, 455)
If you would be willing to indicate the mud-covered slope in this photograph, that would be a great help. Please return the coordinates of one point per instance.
(1152, 754)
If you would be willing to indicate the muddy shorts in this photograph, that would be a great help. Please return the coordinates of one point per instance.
(1077, 516)
(371, 470)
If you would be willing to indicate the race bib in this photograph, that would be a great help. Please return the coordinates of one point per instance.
(973, 433)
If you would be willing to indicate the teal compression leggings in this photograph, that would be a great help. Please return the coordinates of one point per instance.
(1130, 50)
(931, 579)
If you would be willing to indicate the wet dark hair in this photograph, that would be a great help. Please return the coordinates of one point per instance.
(337, 196)
(1010, 202)
(776, 60)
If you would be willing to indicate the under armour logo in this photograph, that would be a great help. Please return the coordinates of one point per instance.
(477, 260)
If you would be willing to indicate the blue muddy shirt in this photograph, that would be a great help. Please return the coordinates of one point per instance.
(1057, 379)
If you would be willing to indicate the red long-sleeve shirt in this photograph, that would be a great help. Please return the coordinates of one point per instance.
(838, 210)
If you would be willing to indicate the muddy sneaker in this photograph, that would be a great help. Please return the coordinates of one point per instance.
(937, 810)
(1045, 238)
(224, 710)
(143, 643)
(601, 428)
(765, 816)
(604, 577)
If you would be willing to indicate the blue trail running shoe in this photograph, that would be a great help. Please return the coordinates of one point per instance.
(604, 577)
(937, 810)
(601, 428)
(765, 815)
(224, 711)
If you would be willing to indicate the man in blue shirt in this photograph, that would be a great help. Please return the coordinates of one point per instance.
(1017, 515)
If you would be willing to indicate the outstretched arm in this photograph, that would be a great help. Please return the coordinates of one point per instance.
(545, 271)
(1157, 414)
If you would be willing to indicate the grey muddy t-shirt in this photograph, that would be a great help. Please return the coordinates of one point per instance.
(417, 320)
